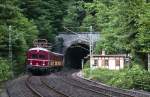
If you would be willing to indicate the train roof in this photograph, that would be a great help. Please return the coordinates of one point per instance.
(57, 54)
(38, 48)
(43, 49)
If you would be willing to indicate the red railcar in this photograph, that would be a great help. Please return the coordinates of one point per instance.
(40, 59)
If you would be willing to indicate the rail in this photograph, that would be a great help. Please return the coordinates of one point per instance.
(31, 88)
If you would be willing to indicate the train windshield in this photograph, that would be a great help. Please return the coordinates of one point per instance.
(34, 56)
(42, 57)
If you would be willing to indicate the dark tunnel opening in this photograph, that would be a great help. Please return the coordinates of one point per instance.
(74, 55)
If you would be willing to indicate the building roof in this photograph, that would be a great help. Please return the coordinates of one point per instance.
(117, 55)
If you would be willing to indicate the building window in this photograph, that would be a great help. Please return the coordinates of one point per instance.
(95, 62)
(106, 62)
(103, 62)
(117, 61)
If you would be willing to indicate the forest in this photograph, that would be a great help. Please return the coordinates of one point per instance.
(124, 26)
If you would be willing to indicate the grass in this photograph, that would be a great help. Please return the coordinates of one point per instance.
(102, 75)
(135, 77)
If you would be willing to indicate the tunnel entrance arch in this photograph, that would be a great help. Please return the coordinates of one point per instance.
(73, 46)
(74, 55)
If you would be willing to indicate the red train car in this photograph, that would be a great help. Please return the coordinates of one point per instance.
(40, 59)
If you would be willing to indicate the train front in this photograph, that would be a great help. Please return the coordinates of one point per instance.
(37, 60)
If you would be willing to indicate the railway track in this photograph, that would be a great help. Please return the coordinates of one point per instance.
(43, 85)
(63, 84)
(86, 88)
(69, 84)
(108, 92)
(31, 88)
(18, 88)
(118, 91)
(62, 94)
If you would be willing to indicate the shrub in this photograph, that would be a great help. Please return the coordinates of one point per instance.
(5, 71)
(133, 78)
(140, 77)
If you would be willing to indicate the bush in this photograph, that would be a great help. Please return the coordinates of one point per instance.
(102, 75)
(140, 78)
(133, 78)
(5, 72)
(86, 65)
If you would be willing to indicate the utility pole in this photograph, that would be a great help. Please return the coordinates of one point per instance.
(91, 46)
(82, 63)
(10, 49)
(148, 62)
(91, 50)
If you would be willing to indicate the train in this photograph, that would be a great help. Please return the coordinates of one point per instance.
(42, 60)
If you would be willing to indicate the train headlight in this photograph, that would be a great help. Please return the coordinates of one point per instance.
(37, 64)
(30, 62)
(43, 63)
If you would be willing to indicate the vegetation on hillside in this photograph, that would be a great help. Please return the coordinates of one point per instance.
(123, 25)
(23, 32)
(28, 20)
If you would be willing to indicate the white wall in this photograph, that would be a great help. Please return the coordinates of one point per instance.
(111, 62)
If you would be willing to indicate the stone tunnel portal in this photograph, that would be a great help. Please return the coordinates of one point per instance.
(74, 55)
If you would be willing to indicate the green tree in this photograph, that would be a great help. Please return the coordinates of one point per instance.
(123, 25)
(23, 32)
(46, 14)
(75, 14)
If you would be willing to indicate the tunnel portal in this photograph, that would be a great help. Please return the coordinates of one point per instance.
(74, 55)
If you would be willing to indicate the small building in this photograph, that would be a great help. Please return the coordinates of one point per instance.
(112, 62)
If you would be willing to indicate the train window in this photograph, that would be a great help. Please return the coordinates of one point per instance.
(41, 56)
(34, 56)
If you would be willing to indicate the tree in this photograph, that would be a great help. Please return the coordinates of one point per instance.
(75, 14)
(23, 32)
(46, 14)
(123, 25)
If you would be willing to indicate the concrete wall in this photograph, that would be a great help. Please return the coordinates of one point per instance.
(82, 37)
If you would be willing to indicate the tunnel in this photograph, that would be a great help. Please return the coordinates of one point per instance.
(74, 55)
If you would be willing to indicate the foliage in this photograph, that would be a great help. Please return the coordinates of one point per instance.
(86, 65)
(5, 72)
(102, 75)
(124, 26)
(75, 15)
(134, 78)
(23, 32)
(46, 14)
(29, 19)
